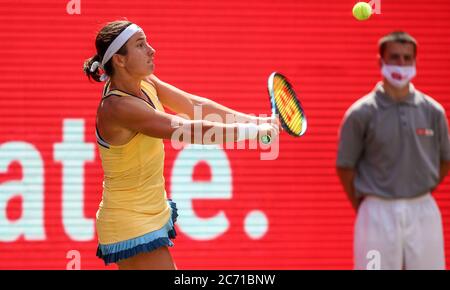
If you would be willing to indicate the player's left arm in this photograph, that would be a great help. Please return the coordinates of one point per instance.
(182, 102)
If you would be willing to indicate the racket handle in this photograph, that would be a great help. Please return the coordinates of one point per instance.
(266, 139)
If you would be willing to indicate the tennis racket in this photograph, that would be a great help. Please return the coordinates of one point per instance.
(285, 104)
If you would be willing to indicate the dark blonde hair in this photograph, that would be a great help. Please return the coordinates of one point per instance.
(103, 40)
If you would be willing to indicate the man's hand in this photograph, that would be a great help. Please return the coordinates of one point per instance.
(346, 176)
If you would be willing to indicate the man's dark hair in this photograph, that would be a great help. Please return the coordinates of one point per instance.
(396, 36)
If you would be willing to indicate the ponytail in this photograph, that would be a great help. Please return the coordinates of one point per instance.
(95, 74)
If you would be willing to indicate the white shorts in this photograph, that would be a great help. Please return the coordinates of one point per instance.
(399, 234)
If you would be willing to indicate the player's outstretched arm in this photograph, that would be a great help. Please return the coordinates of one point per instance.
(184, 103)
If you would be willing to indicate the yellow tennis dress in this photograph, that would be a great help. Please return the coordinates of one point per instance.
(134, 215)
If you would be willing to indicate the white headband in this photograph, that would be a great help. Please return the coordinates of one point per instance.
(117, 43)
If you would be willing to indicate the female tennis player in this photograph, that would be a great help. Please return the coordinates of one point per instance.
(135, 220)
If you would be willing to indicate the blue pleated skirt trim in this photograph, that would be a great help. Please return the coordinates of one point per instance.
(113, 253)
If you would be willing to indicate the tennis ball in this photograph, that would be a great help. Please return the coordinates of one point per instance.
(362, 11)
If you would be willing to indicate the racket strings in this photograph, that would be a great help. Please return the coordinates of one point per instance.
(287, 105)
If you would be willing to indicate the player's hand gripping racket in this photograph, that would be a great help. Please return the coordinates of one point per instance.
(285, 103)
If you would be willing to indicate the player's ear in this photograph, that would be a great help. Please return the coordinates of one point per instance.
(119, 60)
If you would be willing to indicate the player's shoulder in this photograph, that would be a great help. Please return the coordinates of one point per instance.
(150, 80)
(153, 80)
(115, 105)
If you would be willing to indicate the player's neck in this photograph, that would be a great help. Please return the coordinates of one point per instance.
(398, 94)
(126, 84)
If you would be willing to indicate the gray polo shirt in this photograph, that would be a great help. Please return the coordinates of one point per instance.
(394, 147)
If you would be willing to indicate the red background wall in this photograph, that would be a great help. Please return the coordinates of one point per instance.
(223, 50)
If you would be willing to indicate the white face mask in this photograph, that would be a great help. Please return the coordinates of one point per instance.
(398, 76)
